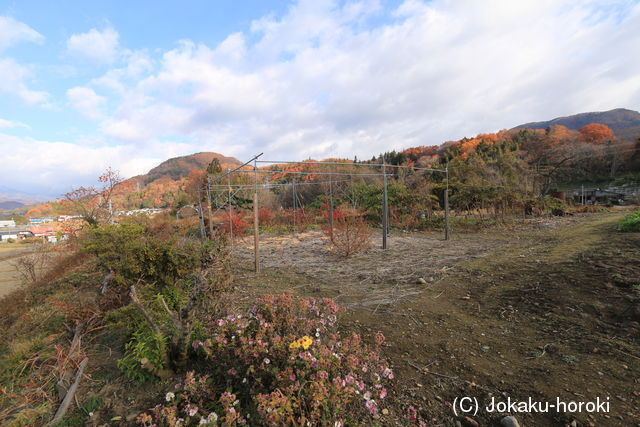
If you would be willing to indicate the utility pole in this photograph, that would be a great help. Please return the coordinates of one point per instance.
(446, 205)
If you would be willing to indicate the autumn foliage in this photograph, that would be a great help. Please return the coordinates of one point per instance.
(595, 133)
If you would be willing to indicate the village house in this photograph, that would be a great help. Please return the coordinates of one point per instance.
(14, 233)
(41, 220)
(7, 223)
(47, 233)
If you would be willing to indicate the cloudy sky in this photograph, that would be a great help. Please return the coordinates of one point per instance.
(85, 85)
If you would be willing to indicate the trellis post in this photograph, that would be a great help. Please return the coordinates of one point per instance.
(230, 209)
(385, 207)
(256, 225)
(446, 205)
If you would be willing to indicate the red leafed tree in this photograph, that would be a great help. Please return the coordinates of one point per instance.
(596, 133)
(92, 203)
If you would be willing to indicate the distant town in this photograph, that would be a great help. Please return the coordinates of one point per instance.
(48, 228)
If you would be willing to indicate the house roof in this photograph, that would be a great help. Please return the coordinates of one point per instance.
(42, 230)
(14, 230)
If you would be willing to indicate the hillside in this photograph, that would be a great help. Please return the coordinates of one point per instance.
(180, 167)
(162, 186)
(10, 204)
(625, 123)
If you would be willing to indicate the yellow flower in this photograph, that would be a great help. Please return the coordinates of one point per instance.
(304, 342)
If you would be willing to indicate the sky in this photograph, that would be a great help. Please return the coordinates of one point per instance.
(85, 85)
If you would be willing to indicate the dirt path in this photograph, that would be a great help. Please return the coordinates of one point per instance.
(546, 313)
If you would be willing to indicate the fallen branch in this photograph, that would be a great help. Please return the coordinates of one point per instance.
(62, 410)
(426, 371)
(544, 350)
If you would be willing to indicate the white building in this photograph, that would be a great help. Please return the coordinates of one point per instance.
(7, 223)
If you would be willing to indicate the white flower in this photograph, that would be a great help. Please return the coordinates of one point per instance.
(169, 397)
(203, 421)
(266, 361)
(90, 414)
(213, 417)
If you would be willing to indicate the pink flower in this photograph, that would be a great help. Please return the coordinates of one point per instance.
(383, 393)
(232, 372)
(388, 373)
(413, 414)
(349, 379)
(323, 375)
(371, 406)
(379, 338)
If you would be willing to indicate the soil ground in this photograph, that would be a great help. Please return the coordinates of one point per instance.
(9, 276)
(547, 310)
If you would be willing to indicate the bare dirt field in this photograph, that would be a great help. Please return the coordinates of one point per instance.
(549, 310)
(9, 276)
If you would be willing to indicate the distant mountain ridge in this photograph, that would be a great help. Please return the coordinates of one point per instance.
(180, 167)
(624, 123)
(10, 204)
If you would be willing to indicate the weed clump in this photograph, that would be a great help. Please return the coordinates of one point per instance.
(630, 223)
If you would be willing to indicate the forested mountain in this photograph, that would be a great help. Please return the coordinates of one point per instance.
(624, 123)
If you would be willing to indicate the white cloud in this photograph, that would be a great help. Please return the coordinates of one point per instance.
(8, 124)
(100, 46)
(322, 80)
(13, 75)
(12, 32)
(52, 167)
(86, 101)
(13, 78)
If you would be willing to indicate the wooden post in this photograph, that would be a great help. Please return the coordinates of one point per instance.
(446, 206)
(385, 207)
(331, 208)
(203, 232)
(230, 209)
(295, 205)
(210, 210)
(256, 231)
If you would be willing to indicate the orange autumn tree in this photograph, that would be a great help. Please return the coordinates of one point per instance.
(596, 133)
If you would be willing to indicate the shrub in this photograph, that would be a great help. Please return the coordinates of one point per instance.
(265, 216)
(240, 226)
(350, 233)
(281, 363)
(630, 223)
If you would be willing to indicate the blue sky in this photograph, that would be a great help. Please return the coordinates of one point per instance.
(85, 85)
